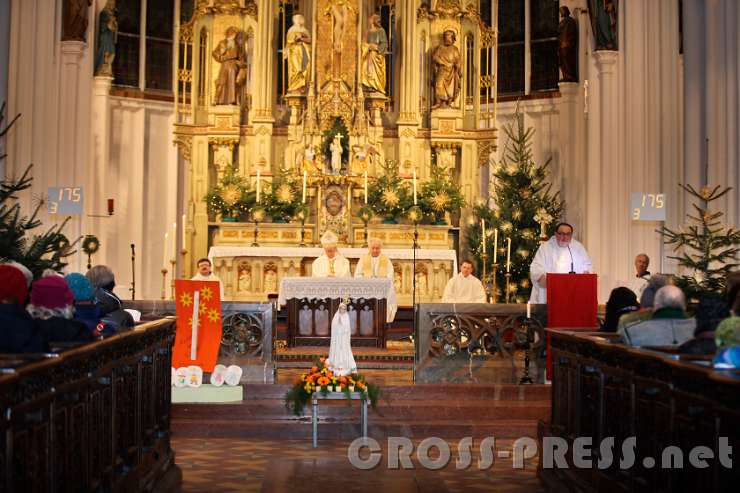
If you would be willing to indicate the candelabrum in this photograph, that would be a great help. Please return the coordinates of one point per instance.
(164, 283)
(484, 261)
(364, 244)
(257, 216)
(494, 284)
(508, 284)
(529, 334)
(173, 264)
(302, 217)
(183, 252)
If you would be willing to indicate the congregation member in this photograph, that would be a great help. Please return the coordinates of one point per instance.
(331, 263)
(728, 330)
(642, 274)
(669, 325)
(115, 318)
(18, 331)
(205, 273)
(647, 299)
(52, 308)
(376, 265)
(464, 287)
(86, 311)
(560, 254)
(710, 311)
(621, 301)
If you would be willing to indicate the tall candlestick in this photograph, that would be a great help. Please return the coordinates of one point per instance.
(305, 176)
(184, 233)
(259, 188)
(414, 181)
(366, 187)
(349, 196)
(164, 255)
(174, 241)
(495, 244)
(483, 235)
(508, 254)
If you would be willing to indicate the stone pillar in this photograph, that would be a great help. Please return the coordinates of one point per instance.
(569, 123)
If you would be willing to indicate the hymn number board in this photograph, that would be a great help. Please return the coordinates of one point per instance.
(65, 200)
(647, 206)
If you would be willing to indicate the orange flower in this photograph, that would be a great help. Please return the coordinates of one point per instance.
(323, 381)
(314, 369)
(322, 359)
(360, 385)
(342, 379)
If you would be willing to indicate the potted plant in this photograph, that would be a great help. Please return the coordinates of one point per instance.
(283, 200)
(389, 195)
(440, 195)
(231, 198)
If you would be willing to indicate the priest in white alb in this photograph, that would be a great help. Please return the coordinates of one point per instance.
(331, 263)
(464, 287)
(560, 254)
(376, 265)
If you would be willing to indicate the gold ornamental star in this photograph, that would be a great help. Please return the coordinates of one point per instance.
(186, 299)
(206, 293)
(213, 315)
(202, 309)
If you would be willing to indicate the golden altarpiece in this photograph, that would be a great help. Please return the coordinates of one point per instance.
(261, 81)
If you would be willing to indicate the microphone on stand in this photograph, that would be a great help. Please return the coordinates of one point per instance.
(133, 272)
(572, 271)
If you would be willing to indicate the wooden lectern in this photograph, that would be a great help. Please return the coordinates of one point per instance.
(571, 304)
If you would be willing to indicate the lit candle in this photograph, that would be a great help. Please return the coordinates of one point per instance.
(483, 235)
(184, 233)
(305, 176)
(508, 254)
(495, 244)
(529, 310)
(414, 186)
(174, 241)
(164, 255)
(366, 187)
(258, 186)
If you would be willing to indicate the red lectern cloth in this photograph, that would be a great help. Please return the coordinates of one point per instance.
(209, 323)
(572, 304)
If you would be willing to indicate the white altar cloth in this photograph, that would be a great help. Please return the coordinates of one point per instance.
(338, 287)
(350, 253)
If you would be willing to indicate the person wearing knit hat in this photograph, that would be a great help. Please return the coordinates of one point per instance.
(18, 332)
(26, 272)
(86, 311)
(331, 263)
(52, 306)
(114, 317)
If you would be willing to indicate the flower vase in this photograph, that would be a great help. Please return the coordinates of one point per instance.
(351, 388)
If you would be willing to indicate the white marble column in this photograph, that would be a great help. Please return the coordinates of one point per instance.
(571, 181)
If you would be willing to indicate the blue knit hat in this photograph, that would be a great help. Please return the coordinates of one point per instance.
(80, 286)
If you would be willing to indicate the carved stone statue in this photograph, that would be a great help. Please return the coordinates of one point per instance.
(604, 17)
(309, 160)
(74, 20)
(568, 46)
(298, 54)
(231, 55)
(339, 11)
(373, 57)
(107, 38)
(336, 154)
(447, 71)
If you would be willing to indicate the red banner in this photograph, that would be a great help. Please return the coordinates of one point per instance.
(199, 300)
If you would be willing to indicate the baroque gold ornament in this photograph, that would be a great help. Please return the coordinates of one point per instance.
(285, 193)
(230, 194)
(390, 197)
(440, 201)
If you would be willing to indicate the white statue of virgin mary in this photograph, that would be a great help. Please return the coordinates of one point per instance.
(341, 360)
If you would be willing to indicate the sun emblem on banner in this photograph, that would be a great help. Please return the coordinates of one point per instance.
(186, 299)
(213, 315)
(206, 293)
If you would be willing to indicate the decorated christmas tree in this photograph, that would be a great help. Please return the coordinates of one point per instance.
(47, 250)
(707, 249)
(523, 203)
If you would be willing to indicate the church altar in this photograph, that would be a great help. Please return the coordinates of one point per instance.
(251, 273)
(312, 303)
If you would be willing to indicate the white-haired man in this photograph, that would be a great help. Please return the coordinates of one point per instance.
(331, 263)
(668, 326)
(376, 265)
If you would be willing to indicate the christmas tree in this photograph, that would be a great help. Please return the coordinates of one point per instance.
(708, 248)
(523, 203)
(47, 250)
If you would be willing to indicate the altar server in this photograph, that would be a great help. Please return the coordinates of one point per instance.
(205, 273)
(464, 287)
(376, 265)
(560, 254)
(331, 263)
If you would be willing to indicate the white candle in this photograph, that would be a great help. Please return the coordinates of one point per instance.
(258, 186)
(483, 235)
(495, 244)
(508, 254)
(529, 310)
(365, 187)
(184, 233)
(414, 186)
(174, 241)
(164, 255)
(305, 176)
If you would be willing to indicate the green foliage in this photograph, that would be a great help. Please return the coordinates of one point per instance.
(440, 195)
(283, 201)
(47, 250)
(328, 138)
(521, 190)
(389, 195)
(232, 198)
(706, 248)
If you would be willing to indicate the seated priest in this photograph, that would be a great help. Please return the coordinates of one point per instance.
(376, 265)
(331, 263)
(464, 287)
(561, 254)
(205, 273)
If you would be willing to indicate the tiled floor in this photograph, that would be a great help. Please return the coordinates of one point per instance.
(235, 465)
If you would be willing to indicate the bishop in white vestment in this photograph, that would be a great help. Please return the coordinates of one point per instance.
(464, 287)
(560, 254)
(376, 265)
(331, 263)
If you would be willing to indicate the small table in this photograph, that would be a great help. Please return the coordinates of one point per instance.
(336, 396)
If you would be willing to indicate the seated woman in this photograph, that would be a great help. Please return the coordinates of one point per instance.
(114, 317)
(86, 311)
(18, 332)
(52, 307)
(621, 300)
(710, 311)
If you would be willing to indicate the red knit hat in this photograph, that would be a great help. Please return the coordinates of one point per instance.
(13, 285)
(51, 292)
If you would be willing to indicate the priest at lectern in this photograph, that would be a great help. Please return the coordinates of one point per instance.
(331, 263)
(561, 254)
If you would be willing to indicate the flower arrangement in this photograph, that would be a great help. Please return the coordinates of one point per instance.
(321, 378)
(283, 200)
(389, 195)
(440, 195)
(231, 198)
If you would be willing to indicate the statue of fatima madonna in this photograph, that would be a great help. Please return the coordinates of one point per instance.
(336, 154)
